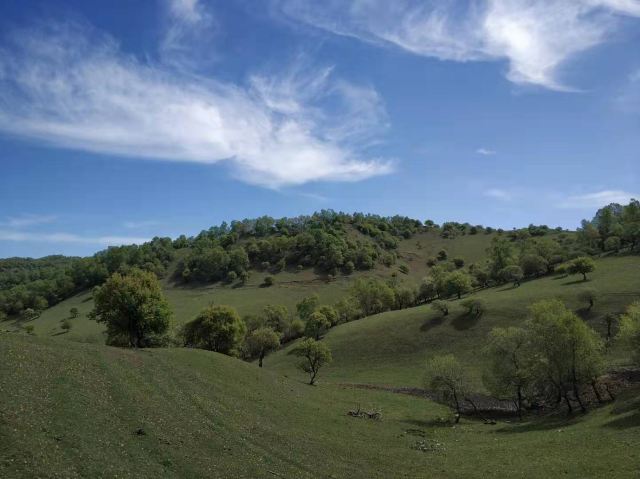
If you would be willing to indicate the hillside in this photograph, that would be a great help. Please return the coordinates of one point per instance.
(73, 410)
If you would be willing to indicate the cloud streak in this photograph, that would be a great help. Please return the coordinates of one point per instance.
(72, 87)
(535, 37)
(8, 235)
(597, 199)
(26, 220)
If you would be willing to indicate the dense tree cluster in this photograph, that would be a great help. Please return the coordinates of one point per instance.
(612, 228)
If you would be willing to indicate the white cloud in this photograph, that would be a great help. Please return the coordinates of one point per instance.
(498, 194)
(25, 220)
(485, 151)
(8, 235)
(535, 37)
(140, 224)
(597, 199)
(73, 88)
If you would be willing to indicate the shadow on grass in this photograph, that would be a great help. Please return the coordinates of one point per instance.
(621, 410)
(542, 424)
(576, 281)
(60, 333)
(429, 423)
(432, 323)
(465, 321)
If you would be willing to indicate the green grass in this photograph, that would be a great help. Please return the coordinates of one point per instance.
(72, 410)
(392, 348)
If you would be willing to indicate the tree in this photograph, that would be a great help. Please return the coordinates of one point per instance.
(589, 296)
(73, 313)
(405, 297)
(582, 265)
(609, 320)
(330, 313)
(630, 330)
(442, 255)
(314, 355)
(441, 307)
(500, 256)
(261, 341)
(475, 306)
(269, 281)
(566, 353)
(534, 265)
(513, 274)
(446, 377)
(276, 317)
(317, 325)
(215, 328)
(427, 289)
(507, 374)
(458, 283)
(372, 295)
(133, 307)
(612, 243)
(307, 306)
(458, 262)
(66, 324)
(30, 314)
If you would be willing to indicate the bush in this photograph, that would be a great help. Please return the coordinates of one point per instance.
(231, 276)
(66, 325)
(475, 306)
(269, 281)
(441, 307)
(442, 255)
(431, 262)
(73, 313)
(459, 262)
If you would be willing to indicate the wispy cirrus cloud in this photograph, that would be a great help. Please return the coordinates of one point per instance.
(498, 194)
(597, 199)
(535, 37)
(9, 235)
(485, 152)
(72, 87)
(26, 220)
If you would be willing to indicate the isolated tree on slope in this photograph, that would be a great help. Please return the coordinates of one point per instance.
(446, 376)
(261, 341)
(314, 355)
(582, 265)
(133, 308)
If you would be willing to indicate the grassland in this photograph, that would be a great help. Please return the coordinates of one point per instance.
(82, 410)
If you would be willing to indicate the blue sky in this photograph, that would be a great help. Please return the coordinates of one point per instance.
(122, 120)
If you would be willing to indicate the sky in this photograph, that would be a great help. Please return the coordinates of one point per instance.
(125, 120)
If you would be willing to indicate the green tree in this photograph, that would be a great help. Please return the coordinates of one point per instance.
(582, 265)
(458, 283)
(330, 313)
(372, 295)
(427, 289)
(314, 356)
(306, 306)
(500, 256)
(133, 308)
(446, 377)
(507, 374)
(66, 325)
(566, 353)
(215, 328)
(30, 314)
(317, 325)
(533, 265)
(475, 306)
(276, 317)
(269, 281)
(261, 341)
(512, 273)
(613, 243)
(74, 313)
(630, 330)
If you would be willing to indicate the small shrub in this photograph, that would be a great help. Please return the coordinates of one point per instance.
(66, 325)
(442, 255)
(475, 306)
(269, 281)
(441, 307)
(459, 262)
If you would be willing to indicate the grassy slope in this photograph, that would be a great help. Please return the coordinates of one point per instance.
(290, 288)
(391, 348)
(71, 410)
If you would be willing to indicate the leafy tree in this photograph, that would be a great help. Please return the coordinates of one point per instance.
(133, 308)
(314, 355)
(372, 295)
(74, 313)
(459, 262)
(534, 265)
(566, 353)
(507, 374)
(440, 306)
(442, 255)
(261, 341)
(330, 313)
(582, 265)
(348, 309)
(405, 297)
(215, 328)
(500, 256)
(458, 283)
(307, 306)
(276, 317)
(475, 306)
(427, 289)
(269, 281)
(317, 325)
(30, 314)
(589, 296)
(613, 243)
(446, 376)
(630, 329)
(512, 274)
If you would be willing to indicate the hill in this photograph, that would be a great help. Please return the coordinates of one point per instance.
(79, 410)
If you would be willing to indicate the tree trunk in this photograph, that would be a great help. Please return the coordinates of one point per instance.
(578, 398)
(584, 276)
(458, 294)
(261, 358)
(569, 407)
(455, 398)
(519, 404)
(596, 392)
